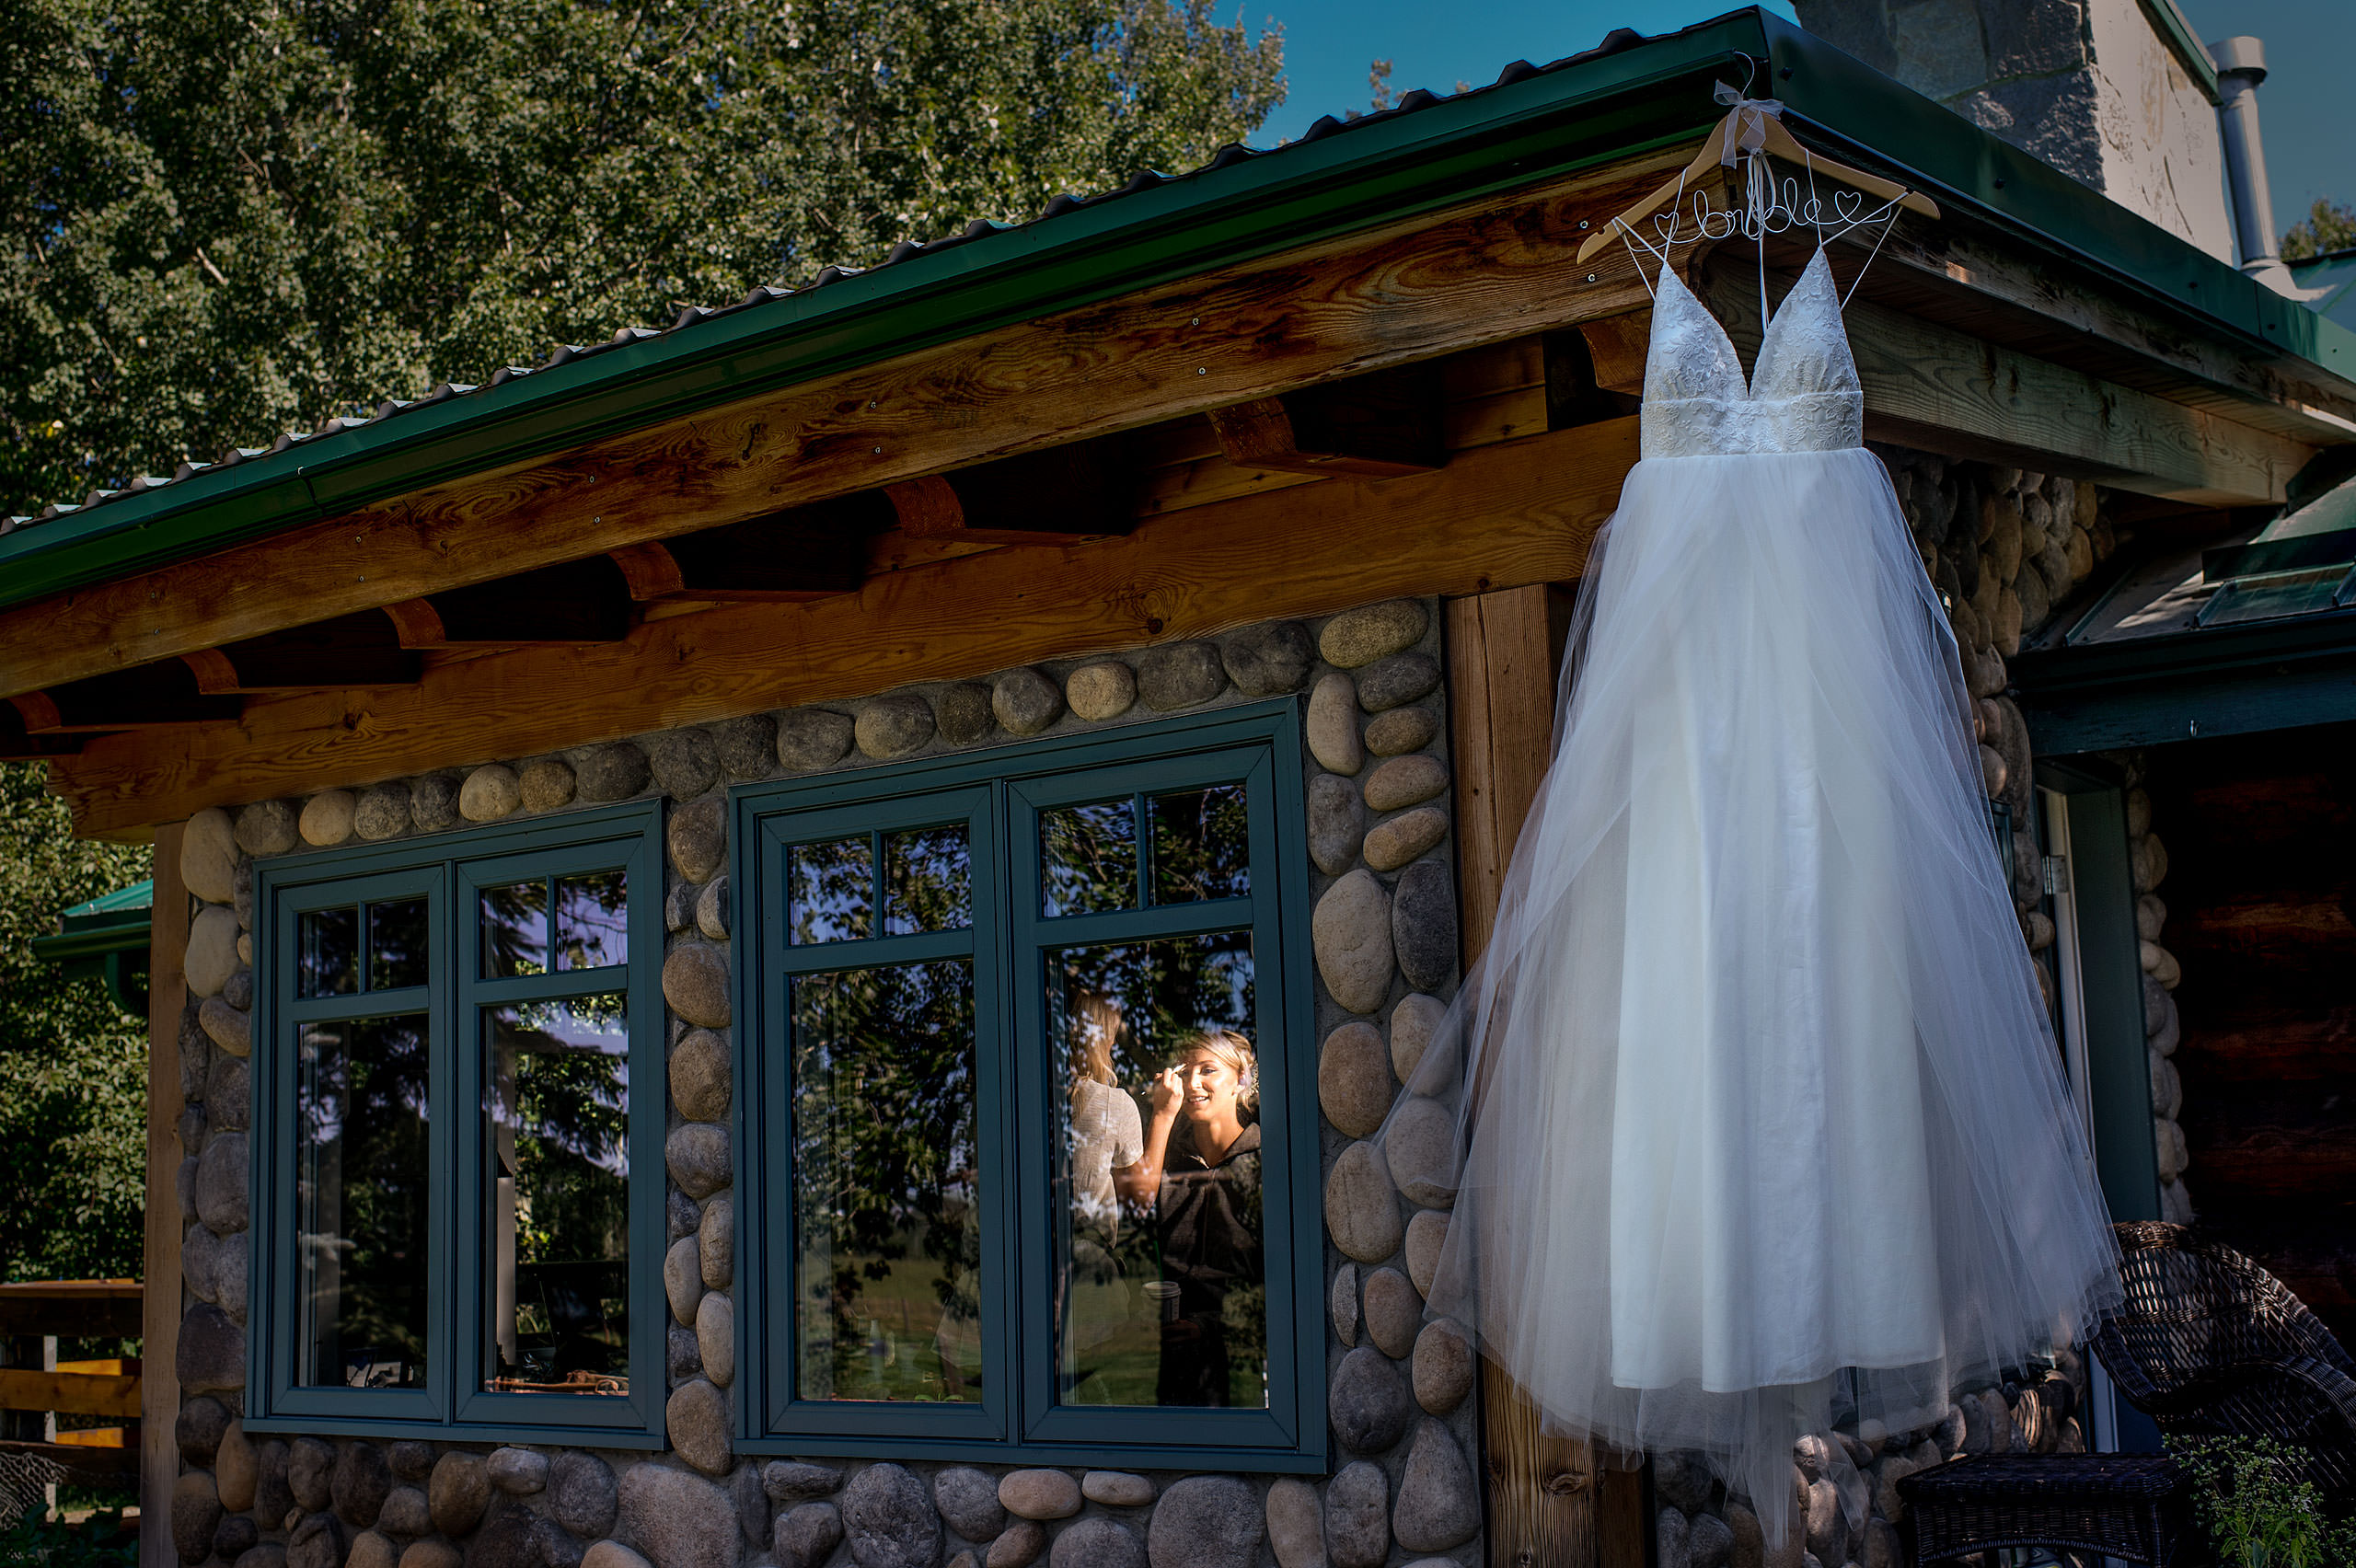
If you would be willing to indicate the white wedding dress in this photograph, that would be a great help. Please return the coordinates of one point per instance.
(1764, 1129)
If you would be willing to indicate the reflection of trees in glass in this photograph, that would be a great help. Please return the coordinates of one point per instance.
(1202, 845)
(515, 930)
(928, 881)
(326, 961)
(396, 944)
(1162, 991)
(889, 1243)
(592, 920)
(1089, 858)
(361, 1117)
(828, 891)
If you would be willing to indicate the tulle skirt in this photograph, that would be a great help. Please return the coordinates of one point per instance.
(1761, 1127)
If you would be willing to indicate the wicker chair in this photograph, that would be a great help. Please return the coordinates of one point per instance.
(2208, 1344)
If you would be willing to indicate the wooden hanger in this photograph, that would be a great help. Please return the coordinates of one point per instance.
(1775, 140)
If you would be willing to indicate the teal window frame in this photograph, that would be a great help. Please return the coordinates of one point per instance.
(998, 794)
(447, 870)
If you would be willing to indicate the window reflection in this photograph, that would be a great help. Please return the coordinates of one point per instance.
(1202, 845)
(556, 1109)
(1089, 858)
(927, 880)
(327, 953)
(1161, 1292)
(515, 930)
(592, 920)
(396, 944)
(829, 889)
(887, 1250)
(361, 1267)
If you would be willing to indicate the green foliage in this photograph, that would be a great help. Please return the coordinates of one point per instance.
(99, 1541)
(227, 220)
(2329, 226)
(73, 1067)
(2258, 1512)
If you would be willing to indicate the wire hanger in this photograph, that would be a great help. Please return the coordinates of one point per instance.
(1751, 126)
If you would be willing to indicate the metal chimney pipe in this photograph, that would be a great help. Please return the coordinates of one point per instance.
(2241, 66)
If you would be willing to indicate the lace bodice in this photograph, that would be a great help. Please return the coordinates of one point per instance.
(1804, 398)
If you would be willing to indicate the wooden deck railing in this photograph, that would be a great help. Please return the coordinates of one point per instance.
(36, 1387)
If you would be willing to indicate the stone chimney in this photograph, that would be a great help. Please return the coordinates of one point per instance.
(2115, 93)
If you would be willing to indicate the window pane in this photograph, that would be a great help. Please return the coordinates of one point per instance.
(1202, 845)
(327, 953)
(886, 1281)
(555, 1200)
(515, 930)
(828, 892)
(592, 920)
(928, 881)
(396, 944)
(361, 1260)
(1161, 1292)
(1090, 857)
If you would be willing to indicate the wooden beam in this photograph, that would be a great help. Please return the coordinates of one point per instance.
(359, 650)
(1414, 290)
(19, 744)
(69, 1393)
(564, 605)
(1377, 426)
(1061, 496)
(159, 1383)
(1514, 513)
(164, 693)
(1617, 346)
(1933, 388)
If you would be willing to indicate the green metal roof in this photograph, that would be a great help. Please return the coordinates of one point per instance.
(2329, 283)
(114, 922)
(1631, 96)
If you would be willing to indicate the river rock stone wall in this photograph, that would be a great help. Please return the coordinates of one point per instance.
(1385, 946)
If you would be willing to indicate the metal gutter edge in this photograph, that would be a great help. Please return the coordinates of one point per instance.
(1498, 139)
(127, 930)
(2175, 29)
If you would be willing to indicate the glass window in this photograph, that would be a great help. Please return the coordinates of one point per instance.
(361, 1109)
(1019, 1177)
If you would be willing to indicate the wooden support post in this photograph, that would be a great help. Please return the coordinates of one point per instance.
(1551, 1502)
(159, 1388)
(1618, 345)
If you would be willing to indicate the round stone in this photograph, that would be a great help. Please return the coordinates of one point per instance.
(1207, 1521)
(405, 1514)
(1423, 926)
(238, 989)
(697, 1156)
(222, 1200)
(1358, 1517)
(1296, 1525)
(684, 763)
(1361, 1205)
(235, 1466)
(679, 906)
(1426, 1235)
(1351, 934)
(1336, 824)
(318, 1542)
(611, 773)
(195, 1513)
(716, 1243)
(1404, 782)
(696, 1419)
(1367, 1401)
(582, 1493)
(458, 1492)
(1270, 659)
(1400, 729)
(272, 1501)
(490, 791)
(1440, 1502)
(968, 1498)
(1362, 635)
(1040, 1494)
(697, 837)
(894, 726)
(1018, 1546)
(1101, 691)
(1393, 1313)
(1332, 725)
(677, 1519)
(1396, 842)
(434, 802)
(683, 1280)
(1393, 682)
(1681, 1477)
(1117, 1488)
(711, 909)
(1415, 1024)
(441, 1554)
(788, 1481)
(1354, 1083)
(888, 1516)
(810, 738)
(518, 1471)
(267, 827)
(747, 748)
(234, 1537)
(545, 783)
(212, 953)
(198, 1429)
(1420, 1145)
(695, 981)
(1342, 1302)
(1179, 674)
(209, 856)
(1026, 702)
(359, 1483)
(701, 1076)
(1097, 1543)
(227, 1027)
(806, 1536)
(1442, 1367)
(964, 713)
(383, 812)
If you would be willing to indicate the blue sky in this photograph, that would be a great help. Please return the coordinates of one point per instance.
(2309, 128)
